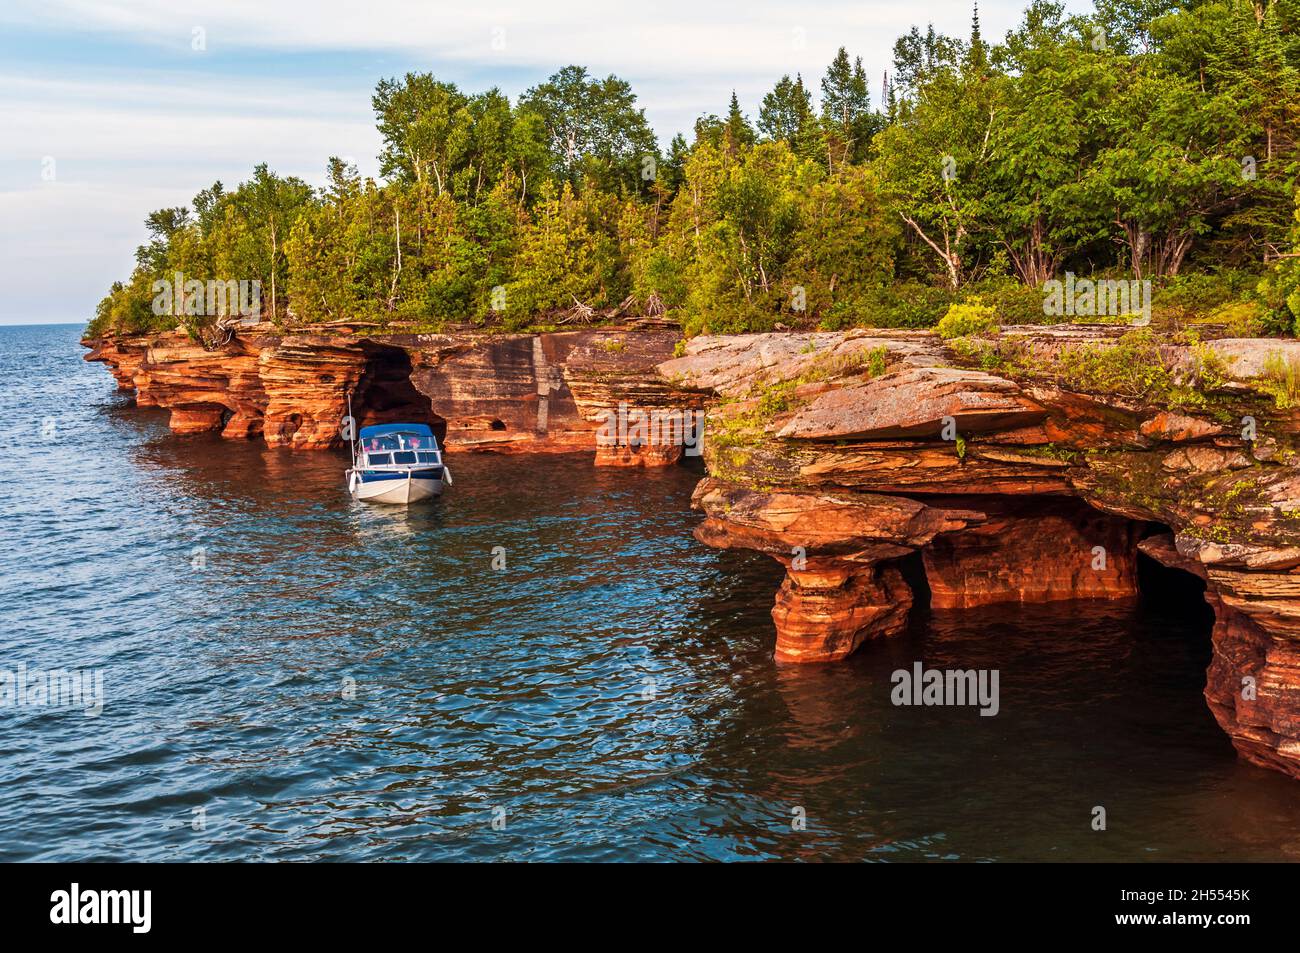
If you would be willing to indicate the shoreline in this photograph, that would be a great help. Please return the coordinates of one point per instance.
(1026, 464)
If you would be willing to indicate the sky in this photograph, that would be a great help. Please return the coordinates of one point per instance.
(109, 110)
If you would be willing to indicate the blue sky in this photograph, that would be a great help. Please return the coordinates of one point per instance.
(110, 110)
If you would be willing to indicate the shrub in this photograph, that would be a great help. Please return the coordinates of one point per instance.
(970, 317)
(1198, 294)
(1279, 291)
(1131, 367)
(1013, 302)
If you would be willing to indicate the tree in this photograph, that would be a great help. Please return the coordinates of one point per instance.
(1153, 136)
(531, 162)
(481, 146)
(560, 260)
(712, 130)
(919, 56)
(739, 133)
(845, 244)
(269, 206)
(846, 110)
(1241, 56)
(787, 116)
(937, 161)
(416, 118)
(162, 225)
(673, 168)
(1125, 25)
(595, 130)
(1174, 167)
(977, 54)
(207, 206)
(1052, 134)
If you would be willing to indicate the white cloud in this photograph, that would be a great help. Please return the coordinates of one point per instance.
(81, 121)
(666, 38)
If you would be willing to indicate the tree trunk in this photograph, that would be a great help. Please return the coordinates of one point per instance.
(274, 253)
(397, 242)
(950, 258)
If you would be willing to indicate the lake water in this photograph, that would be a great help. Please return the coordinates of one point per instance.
(291, 675)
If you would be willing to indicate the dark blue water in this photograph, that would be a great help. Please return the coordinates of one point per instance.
(609, 695)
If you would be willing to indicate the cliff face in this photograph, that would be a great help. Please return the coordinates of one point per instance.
(1018, 474)
(506, 393)
(840, 454)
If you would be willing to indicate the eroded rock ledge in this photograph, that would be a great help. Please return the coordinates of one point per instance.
(842, 454)
(504, 393)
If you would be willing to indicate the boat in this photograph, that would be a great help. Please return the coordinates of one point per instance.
(396, 463)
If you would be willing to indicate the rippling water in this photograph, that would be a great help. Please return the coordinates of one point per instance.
(609, 695)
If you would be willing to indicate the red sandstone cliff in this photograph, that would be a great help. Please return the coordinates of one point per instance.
(501, 392)
(838, 454)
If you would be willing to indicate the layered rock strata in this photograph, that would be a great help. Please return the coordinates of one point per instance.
(844, 455)
(1017, 481)
(565, 391)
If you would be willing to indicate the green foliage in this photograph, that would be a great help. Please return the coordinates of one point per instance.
(595, 131)
(909, 304)
(1281, 380)
(869, 362)
(1209, 370)
(1168, 152)
(847, 120)
(737, 132)
(776, 399)
(876, 361)
(970, 317)
(1132, 367)
(842, 251)
(1280, 287)
(564, 259)
(787, 116)
(238, 236)
(1013, 302)
(1200, 294)
(125, 310)
(762, 235)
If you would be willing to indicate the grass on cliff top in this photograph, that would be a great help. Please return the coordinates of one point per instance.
(1132, 366)
(1281, 380)
(1225, 296)
(778, 397)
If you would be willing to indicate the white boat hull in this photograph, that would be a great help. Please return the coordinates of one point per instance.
(400, 491)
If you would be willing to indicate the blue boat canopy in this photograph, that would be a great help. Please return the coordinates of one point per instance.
(378, 430)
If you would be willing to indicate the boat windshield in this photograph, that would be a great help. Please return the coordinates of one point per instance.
(379, 459)
(403, 456)
(399, 441)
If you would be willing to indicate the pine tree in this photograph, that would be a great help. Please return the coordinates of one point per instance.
(787, 115)
(739, 133)
(977, 56)
(846, 109)
(784, 110)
